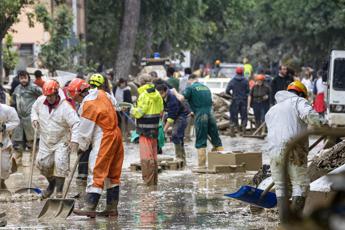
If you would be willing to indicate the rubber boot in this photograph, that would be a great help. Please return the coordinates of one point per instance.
(50, 189)
(180, 153)
(243, 130)
(232, 131)
(60, 181)
(202, 158)
(297, 205)
(91, 202)
(112, 202)
(3, 185)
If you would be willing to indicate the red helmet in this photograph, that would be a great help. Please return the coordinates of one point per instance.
(260, 77)
(50, 87)
(239, 70)
(76, 86)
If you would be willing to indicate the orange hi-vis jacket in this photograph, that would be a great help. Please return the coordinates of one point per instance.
(99, 127)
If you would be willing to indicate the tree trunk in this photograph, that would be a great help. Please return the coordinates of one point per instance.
(128, 34)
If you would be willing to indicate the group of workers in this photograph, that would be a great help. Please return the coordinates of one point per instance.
(82, 117)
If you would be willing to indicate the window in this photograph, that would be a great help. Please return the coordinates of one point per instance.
(339, 74)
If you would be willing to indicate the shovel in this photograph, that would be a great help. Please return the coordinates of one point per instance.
(29, 189)
(2, 190)
(60, 207)
(255, 196)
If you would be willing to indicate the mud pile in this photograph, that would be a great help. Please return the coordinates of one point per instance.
(327, 160)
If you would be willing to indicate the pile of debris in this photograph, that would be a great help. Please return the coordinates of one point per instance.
(221, 105)
(327, 160)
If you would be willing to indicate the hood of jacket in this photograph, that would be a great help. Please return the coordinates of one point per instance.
(239, 77)
(283, 95)
(150, 91)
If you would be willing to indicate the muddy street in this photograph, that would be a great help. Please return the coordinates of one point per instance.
(182, 199)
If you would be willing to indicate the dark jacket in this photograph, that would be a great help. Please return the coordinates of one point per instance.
(279, 83)
(259, 91)
(239, 87)
(174, 107)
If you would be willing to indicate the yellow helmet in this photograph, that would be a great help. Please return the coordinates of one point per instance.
(96, 80)
(299, 87)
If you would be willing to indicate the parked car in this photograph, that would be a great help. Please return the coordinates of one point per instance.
(216, 85)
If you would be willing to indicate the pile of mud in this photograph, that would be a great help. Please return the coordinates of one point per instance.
(327, 160)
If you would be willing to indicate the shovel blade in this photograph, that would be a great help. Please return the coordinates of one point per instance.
(28, 190)
(56, 208)
(252, 195)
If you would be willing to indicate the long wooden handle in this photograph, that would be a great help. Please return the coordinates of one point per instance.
(270, 186)
(33, 158)
(258, 129)
(70, 177)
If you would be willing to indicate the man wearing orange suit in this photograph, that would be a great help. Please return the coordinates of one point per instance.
(99, 127)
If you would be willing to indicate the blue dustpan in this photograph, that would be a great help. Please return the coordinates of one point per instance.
(253, 196)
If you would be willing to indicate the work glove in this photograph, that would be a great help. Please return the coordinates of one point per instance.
(3, 127)
(73, 147)
(314, 119)
(35, 124)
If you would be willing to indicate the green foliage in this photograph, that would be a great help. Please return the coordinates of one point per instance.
(58, 53)
(10, 55)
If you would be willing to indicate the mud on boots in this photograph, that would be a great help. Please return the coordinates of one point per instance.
(289, 118)
(147, 114)
(112, 202)
(199, 98)
(98, 124)
(176, 117)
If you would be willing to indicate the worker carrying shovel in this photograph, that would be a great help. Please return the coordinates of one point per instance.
(99, 128)
(58, 123)
(200, 100)
(285, 120)
(9, 120)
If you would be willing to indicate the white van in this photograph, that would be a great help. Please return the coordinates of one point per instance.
(335, 99)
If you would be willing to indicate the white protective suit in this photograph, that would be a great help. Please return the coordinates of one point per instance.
(9, 117)
(57, 129)
(288, 118)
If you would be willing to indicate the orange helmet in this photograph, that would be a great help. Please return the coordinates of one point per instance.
(76, 86)
(217, 62)
(260, 77)
(50, 87)
(299, 87)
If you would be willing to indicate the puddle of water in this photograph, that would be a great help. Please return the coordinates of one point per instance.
(182, 199)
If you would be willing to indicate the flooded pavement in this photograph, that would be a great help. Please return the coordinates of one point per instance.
(182, 199)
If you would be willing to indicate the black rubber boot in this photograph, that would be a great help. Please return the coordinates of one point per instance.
(297, 205)
(3, 185)
(91, 202)
(60, 181)
(112, 202)
(50, 189)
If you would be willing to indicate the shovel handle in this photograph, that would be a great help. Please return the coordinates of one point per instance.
(269, 187)
(70, 177)
(33, 158)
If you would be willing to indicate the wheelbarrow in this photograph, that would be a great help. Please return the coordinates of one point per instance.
(60, 207)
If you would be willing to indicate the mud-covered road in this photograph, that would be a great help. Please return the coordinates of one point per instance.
(182, 199)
